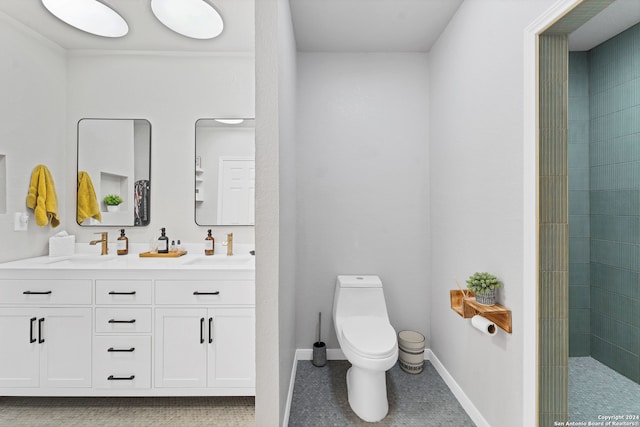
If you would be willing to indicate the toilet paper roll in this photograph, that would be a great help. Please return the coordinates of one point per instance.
(484, 325)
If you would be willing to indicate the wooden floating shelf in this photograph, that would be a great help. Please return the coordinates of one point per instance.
(467, 307)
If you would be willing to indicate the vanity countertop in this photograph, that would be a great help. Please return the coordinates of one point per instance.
(135, 262)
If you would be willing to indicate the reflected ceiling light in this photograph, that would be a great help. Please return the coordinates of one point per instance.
(90, 16)
(192, 18)
(230, 121)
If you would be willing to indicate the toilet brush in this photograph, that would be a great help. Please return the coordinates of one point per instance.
(319, 348)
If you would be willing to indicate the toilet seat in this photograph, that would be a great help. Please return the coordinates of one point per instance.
(369, 336)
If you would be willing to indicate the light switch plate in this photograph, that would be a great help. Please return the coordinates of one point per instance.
(20, 221)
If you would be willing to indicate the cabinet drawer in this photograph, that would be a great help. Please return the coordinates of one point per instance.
(38, 292)
(200, 292)
(123, 320)
(123, 292)
(122, 362)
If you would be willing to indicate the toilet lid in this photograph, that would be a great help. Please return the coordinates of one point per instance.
(370, 336)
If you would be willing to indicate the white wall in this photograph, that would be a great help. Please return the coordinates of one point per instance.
(476, 137)
(32, 131)
(362, 184)
(172, 91)
(275, 208)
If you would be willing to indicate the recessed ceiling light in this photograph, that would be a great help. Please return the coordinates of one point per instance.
(90, 16)
(192, 18)
(230, 121)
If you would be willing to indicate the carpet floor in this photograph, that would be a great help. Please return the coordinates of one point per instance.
(320, 399)
(127, 412)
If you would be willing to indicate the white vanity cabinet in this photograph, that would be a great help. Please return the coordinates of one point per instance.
(46, 341)
(162, 329)
(45, 347)
(122, 346)
(210, 343)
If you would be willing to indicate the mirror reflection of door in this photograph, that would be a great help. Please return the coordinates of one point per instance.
(113, 160)
(237, 190)
(225, 172)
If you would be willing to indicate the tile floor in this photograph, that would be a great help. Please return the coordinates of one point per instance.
(596, 390)
(423, 400)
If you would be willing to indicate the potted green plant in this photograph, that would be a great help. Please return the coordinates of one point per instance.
(113, 202)
(484, 285)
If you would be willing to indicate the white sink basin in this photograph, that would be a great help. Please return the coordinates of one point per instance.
(222, 260)
(79, 260)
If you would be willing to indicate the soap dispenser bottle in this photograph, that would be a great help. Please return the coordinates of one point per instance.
(208, 243)
(163, 242)
(123, 243)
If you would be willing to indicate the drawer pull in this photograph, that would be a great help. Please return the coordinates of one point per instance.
(31, 324)
(206, 293)
(122, 321)
(122, 293)
(210, 330)
(40, 334)
(112, 378)
(121, 350)
(201, 330)
(37, 292)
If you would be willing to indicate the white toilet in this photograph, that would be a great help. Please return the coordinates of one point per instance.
(368, 341)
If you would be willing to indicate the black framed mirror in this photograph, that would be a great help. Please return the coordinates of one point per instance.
(224, 172)
(114, 172)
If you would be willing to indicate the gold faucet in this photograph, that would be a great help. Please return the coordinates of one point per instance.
(229, 244)
(104, 236)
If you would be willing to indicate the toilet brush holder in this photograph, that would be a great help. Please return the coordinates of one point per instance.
(319, 348)
(319, 354)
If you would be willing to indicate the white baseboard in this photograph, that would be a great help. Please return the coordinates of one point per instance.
(292, 381)
(337, 354)
(460, 395)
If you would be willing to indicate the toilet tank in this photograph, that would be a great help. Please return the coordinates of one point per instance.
(359, 282)
(359, 296)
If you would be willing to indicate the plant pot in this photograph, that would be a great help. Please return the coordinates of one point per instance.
(113, 208)
(488, 298)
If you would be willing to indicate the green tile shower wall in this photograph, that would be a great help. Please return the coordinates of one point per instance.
(614, 100)
(553, 290)
(579, 224)
(612, 239)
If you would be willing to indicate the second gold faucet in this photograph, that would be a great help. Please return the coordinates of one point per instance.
(229, 244)
(104, 239)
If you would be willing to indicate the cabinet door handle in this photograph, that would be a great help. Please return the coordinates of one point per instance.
(206, 293)
(122, 293)
(37, 292)
(122, 321)
(210, 330)
(40, 334)
(123, 350)
(112, 378)
(201, 330)
(31, 325)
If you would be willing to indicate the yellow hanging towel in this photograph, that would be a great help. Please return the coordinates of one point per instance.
(42, 197)
(88, 206)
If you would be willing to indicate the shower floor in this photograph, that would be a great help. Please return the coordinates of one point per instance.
(596, 391)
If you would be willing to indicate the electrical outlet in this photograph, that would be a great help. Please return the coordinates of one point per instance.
(20, 221)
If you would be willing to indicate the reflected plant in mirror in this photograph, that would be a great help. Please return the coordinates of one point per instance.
(225, 172)
(114, 164)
